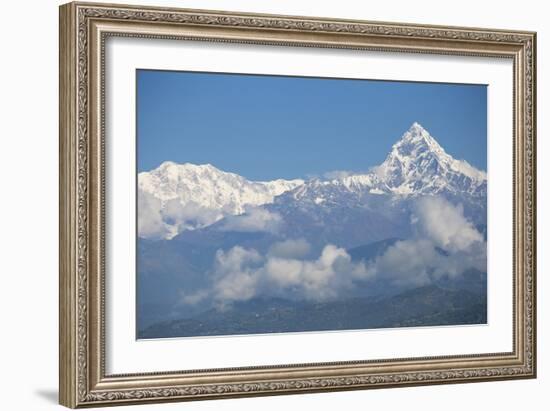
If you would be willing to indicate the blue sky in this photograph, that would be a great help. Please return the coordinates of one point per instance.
(267, 127)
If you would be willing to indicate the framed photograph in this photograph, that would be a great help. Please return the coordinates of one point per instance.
(259, 204)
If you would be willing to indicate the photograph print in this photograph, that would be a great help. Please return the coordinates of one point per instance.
(278, 204)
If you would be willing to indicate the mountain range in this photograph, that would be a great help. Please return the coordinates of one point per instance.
(210, 242)
(189, 196)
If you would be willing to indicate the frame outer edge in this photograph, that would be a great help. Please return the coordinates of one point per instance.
(68, 327)
(77, 387)
(534, 137)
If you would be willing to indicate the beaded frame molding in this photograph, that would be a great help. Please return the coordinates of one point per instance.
(84, 27)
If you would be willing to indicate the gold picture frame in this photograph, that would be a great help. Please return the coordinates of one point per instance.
(84, 27)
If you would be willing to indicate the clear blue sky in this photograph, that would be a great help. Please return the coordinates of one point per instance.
(266, 127)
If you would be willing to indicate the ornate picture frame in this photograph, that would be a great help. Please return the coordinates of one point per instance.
(84, 29)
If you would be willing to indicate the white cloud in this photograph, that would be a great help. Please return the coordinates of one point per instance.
(445, 224)
(284, 272)
(445, 245)
(253, 220)
(164, 220)
(241, 274)
(236, 276)
(188, 216)
(406, 263)
(319, 279)
(150, 223)
(316, 280)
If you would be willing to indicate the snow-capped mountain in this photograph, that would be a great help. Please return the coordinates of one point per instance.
(210, 187)
(357, 234)
(416, 165)
(189, 196)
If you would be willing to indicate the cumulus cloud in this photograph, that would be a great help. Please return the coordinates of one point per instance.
(445, 224)
(164, 219)
(150, 222)
(253, 220)
(445, 245)
(179, 217)
(320, 279)
(235, 274)
(406, 263)
(241, 274)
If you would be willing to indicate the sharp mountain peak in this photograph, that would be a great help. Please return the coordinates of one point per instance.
(415, 165)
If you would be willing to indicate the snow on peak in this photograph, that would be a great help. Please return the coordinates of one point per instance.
(176, 197)
(189, 196)
(418, 164)
(417, 138)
